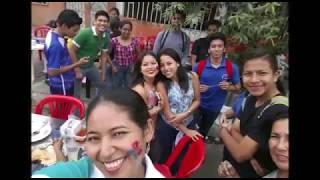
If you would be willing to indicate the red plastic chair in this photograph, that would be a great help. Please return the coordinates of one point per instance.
(41, 32)
(61, 106)
(150, 42)
(142, 42)
(191, 162)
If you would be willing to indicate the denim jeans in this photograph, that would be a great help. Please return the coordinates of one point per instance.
(92, 73)
(109, 77)
(122, 76)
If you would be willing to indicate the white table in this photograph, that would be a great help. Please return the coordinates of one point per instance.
(35, 47)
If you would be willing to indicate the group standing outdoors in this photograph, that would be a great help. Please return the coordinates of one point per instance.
(152, 99)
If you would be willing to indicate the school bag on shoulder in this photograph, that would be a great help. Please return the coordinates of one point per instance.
(164, 38)
(202, 64)
(275, 100)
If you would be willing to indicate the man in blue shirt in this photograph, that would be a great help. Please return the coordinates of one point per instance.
(214, 83)
(60, 67)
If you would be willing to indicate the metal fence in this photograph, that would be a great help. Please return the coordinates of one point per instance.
(145, 11)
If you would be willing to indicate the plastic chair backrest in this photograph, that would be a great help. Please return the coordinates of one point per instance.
(150, 42)
(41, 31)
(61, 106)
(192, 159)
(142, 42)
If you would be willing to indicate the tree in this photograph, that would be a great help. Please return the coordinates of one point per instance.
(195, 11)
(258, 23)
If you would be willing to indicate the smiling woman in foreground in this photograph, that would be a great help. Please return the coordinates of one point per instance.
(118, 129)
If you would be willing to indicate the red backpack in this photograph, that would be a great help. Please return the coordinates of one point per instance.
(202, 64)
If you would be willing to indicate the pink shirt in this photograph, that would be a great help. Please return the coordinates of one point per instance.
(124, 55)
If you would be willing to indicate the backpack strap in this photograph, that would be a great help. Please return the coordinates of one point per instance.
(183, 36)
(229, 69)
(163, 38)
(201, 66)
(275, 100)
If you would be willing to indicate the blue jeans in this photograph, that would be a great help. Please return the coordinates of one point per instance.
(92, 73)
(109, 77)
(121, 77)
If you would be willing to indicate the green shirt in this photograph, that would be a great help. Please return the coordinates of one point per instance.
(90, 44)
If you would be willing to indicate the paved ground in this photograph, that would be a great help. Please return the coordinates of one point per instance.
(40, 90)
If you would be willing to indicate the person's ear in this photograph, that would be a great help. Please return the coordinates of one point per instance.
(276, 76)
(149, 131)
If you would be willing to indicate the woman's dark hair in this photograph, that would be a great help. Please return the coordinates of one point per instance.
(279, 116)
(114, 26)
(128, 100)
(266, 54)
(69, 18)
(101, 13)
(124, 22)
(115, 9)
(181, 72)
(137, 75)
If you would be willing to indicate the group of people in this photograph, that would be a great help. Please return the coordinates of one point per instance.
(153, 100)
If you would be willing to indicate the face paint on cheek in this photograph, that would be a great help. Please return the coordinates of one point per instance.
(136, 150)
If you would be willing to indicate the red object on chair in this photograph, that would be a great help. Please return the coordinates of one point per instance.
(142, 42)
(41, 32)
(61, 106)
(150, 42)
(191, 161)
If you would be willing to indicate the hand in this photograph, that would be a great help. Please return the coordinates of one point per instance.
(203, 88)
(57, 145)
(193, 134)
(224, 85)
(114, 69)
(226, 169)
(257, 167)
(224, 122)
(179, 118)
(79, 75)
(83, 60)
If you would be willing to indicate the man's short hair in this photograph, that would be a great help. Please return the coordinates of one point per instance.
(213, 22)
(181, 12)
(220, 36)
(101, 13)
(69, 18)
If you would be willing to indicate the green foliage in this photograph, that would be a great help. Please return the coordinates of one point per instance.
(195, 11)
(258, 23)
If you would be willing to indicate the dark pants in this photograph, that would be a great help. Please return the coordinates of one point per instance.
(56, 90)
(165, 136)
(205, 119)
(161, 147)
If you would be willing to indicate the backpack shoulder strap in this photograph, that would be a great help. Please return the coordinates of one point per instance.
(163, 38)
(201, 66)
(229, 69)
(184, 39)
(275, 100)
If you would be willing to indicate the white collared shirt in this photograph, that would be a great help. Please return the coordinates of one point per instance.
(151, 171)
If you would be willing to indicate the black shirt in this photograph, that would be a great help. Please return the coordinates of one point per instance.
(259, 129)
(200, 48)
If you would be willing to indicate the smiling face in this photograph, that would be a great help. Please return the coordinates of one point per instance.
(149, 66)
(110, 136)
(101, 23)
(279, 144)
(168, 66)
(258, 77)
